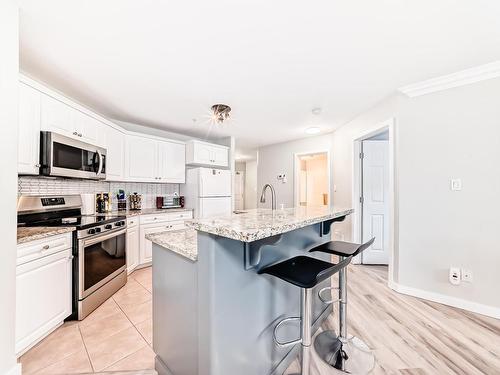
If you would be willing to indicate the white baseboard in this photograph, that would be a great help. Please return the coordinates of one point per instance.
(15, 370)
(475, 307)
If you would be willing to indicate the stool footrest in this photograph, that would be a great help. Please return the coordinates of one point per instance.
(286, 343)
(328, 301)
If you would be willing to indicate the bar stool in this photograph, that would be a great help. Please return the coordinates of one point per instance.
(335, 349)
(305, 273)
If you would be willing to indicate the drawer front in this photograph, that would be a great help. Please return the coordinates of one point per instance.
(132, 222)
(29, 251)
(160, 218)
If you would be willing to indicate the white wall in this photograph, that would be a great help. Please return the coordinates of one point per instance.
(449, 134)
(251, 184)
(279, 158)
(9, 68)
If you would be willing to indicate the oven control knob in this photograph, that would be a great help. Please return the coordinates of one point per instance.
(118, 224)
(122, 222)
(98, 230)
(108, 226)
(91, 231)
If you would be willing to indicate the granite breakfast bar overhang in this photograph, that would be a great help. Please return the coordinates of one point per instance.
(212, 313)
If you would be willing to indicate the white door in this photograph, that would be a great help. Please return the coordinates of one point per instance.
(239, 190)
(29, 130)
(141, 159)
(216, 206)
(375, 201)
(215, 182)
(43, 297)
(172, 162)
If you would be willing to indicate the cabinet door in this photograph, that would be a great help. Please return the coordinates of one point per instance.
(115, 154)
(43, 297)
(220, 156)
(57, 117)
(172, 162)
(146, 248)
(141, 162)
(202, 153)
(29, 130)
(87, 127)
(132, 248)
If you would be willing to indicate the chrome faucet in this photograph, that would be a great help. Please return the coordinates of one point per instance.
(273, 196)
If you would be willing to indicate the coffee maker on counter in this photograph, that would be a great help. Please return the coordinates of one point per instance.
(170, 201)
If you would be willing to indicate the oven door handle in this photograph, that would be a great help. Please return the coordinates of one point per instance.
(100, 162)
(104, 237)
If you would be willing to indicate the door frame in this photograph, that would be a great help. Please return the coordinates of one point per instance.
(296, 179)
(357, 217)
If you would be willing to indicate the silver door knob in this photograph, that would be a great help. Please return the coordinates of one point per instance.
(38, 165)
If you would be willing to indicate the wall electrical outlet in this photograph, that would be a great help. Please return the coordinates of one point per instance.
(455, 275)
(282, 178)
(467, 275)
(456, 184)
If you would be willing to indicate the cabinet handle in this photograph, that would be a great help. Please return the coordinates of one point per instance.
(38, 165)
(79, 134)
(75, 133)
(70, 258)
(45, 247)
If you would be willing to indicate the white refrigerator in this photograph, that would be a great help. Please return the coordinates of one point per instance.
(208, 192)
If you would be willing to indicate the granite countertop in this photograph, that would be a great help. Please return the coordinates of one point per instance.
(27, 234)
(146, 211)
(182, 242)
(256, 224)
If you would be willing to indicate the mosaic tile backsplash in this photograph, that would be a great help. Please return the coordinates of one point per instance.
(34, 185)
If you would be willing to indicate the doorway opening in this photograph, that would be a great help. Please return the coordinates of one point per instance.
(312, 179)
(374, 199)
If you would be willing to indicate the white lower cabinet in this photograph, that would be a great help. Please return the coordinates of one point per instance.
(43, 297)
(146, 250)
(132, 244)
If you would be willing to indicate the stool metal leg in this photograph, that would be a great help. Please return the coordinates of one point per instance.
(306, 313)
(343, 308)
(350, 355)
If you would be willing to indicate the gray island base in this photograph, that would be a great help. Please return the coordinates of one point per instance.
(212, 313)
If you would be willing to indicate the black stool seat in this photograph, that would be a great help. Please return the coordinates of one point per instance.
(341, 248)
(304, 272)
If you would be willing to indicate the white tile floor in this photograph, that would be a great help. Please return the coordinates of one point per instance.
(117, 336)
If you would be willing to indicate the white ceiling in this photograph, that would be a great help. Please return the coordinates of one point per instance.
(164, 63)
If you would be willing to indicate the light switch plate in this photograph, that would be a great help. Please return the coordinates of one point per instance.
(456, 184)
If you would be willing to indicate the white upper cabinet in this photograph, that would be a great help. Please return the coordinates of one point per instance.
(129, 156)
(87, 128)
(209, 154)
(28, 130)
(141, 159)
(172, 162)
(115, 153)
(60, 118)
(150, 160)
(57, 117)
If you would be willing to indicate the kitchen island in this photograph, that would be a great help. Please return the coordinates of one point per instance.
(213, 314)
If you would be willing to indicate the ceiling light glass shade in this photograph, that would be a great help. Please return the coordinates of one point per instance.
(313, 130)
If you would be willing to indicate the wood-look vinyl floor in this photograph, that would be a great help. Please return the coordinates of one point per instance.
(412, 336)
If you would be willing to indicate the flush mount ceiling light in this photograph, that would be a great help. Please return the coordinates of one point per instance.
(313, 130)
(220, 112)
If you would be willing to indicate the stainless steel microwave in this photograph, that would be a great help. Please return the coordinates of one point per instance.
(66, 157)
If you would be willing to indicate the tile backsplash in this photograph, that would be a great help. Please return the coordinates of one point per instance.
(35, 185)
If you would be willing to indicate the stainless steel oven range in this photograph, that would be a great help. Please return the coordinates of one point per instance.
(99, 246)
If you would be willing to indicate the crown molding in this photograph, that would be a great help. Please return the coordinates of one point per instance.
(461, 78)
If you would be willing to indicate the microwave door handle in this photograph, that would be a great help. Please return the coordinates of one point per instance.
(100, 162)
